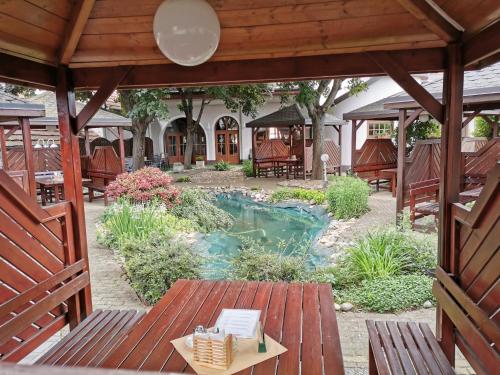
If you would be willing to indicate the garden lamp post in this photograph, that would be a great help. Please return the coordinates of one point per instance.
(324, 159)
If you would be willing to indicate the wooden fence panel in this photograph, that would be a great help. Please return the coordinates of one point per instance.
(480, 162)
(272, 148)
(45, 159)
(40, 276)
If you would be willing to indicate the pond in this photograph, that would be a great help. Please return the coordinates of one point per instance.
(286, 228)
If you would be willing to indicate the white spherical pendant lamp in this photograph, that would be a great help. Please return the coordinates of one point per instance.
(186, 31)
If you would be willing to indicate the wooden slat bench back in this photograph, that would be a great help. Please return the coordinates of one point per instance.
(467, 289)
(40, 275)
(424, 199)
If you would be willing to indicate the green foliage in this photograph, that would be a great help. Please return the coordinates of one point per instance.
(390, 294)
(347, 197)
(247, 97)
(198, 206)
(254, 262)
(154, 265)
(302, 194)
(123, 222)
(419, 130)
(200, 158)
(221, 166)
(248, 168)
(144, 105)
(183, 179)
(16, 90)
(482, 128)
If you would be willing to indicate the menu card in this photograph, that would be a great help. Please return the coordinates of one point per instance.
(241, 323)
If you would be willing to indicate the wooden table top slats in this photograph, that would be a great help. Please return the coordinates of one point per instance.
(300, 316)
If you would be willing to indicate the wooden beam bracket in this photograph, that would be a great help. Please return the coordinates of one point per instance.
(483, 47)
(114, 78)
(412, 117)
(399, 74)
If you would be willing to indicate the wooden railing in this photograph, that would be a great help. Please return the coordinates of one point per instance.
(468, 285)
(40, 276)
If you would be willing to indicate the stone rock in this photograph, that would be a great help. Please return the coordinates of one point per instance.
(427, 304)
(337, 307)
(346, 306)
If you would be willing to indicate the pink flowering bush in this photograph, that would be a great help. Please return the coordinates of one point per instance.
(143, 186)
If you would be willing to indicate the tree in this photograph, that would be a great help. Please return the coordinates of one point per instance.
(318, 97)
(142, 106)
(418, 130)
(482, 128)
(16, 90)
(246, 97)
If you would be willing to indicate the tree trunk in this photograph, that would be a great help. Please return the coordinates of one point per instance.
(139, 145)
(188, 152)
(318, 142)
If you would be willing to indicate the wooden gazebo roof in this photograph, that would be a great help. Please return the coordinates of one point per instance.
(12, 108)
(259, 40)
(481, 92)
(290, 116)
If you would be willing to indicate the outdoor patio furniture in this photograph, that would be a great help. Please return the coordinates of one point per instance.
(299, 316)
(424, 199)
(390, 174)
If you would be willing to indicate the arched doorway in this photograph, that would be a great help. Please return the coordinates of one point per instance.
(175, 138)
(227, 140)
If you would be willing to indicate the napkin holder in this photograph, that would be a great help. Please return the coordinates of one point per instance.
(213, 351)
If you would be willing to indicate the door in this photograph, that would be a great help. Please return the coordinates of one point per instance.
(227, 140)
(174, 148)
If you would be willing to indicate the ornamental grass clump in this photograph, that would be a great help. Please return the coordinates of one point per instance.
(347, 197)
(198, 207)
(317, 196)
(143, 186)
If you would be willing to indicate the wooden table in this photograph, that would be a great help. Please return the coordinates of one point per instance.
(300, 316)
(391, 174)
(46, 184)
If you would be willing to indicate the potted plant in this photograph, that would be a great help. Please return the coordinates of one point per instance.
(200, 161)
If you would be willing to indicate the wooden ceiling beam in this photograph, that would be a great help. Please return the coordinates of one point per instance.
(400, 74)
(76, 24)
(24, 72)
(483, 46)
(261, 70)
(434, 18)
(114, 77)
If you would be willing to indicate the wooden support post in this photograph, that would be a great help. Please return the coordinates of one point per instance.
(401, 163)
(495, 128)
(254, 133)
(87, 142)
(340, 148)
(3, 146)
(450, 175)
(304, 150)
(28, 154)
(121, 147)
(354, 129)
(73, 190)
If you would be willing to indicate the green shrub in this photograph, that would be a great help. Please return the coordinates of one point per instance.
(482, 128)
(221, 166)
(154, 265)
(390, 294)
(298, 193)
(248, 168)
(125, 221)
(347, 197)
(183, 179)
(254, 262)
(390, 252)
(198, 207)
(199, 158)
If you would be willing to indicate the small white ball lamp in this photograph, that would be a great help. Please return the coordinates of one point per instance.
(186, 31)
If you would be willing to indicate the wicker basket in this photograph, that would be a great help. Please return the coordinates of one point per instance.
(211, 352)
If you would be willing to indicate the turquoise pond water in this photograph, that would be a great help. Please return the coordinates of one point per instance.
(270, 225)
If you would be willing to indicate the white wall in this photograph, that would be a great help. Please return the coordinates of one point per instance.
(379, 88)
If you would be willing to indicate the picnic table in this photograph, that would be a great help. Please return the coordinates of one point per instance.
(52, 186)
(299, 316)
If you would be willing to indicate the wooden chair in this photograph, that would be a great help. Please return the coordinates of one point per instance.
(466, 289)
(100, 181)
(45, 286)
(424, 199)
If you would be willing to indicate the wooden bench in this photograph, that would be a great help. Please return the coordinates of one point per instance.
(424, 199)
(466, 290)
(89, 343)
(374, 175)
(270, 165)
(100, 181)
(45, 285)
(405, 348)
